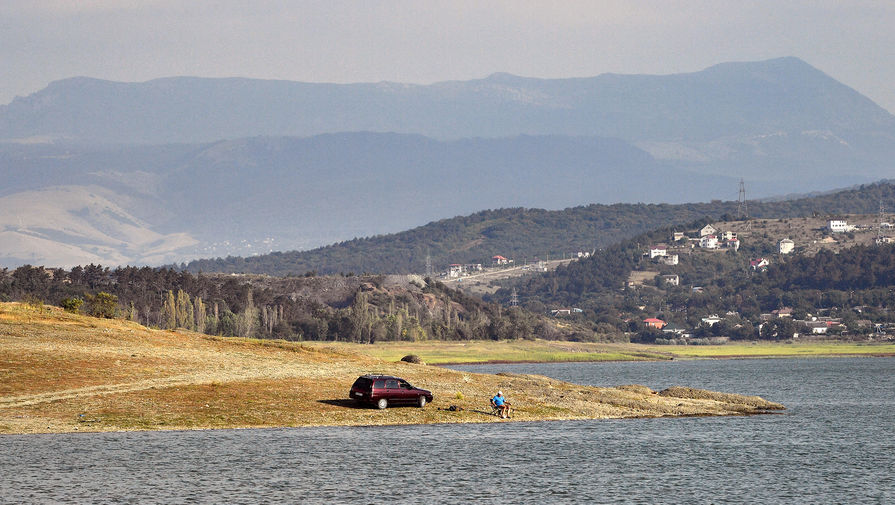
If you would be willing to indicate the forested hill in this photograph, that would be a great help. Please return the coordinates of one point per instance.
(531, 233)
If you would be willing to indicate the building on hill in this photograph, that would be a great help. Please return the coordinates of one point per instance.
(759, 264)
(500, 260)
(786, 246)
(676, 330)
(733, 243)
(658, 250)
(708, 242)
(566, 311)
(707, 230)
(455, 270)
(671, 259)
(784, 312)
(728, 235)
(678, 235)
(652, 322)
(672, 279)
(840, 226)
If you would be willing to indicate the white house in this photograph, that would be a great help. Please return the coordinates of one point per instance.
(678, 235)
(711, 320)
(786, 246)
(840, 226)
(759, 264)
(707, 230)
(658, 250)
(733, 243)
(728, 235)
(672, 279)
(671, 259)
(708, 242)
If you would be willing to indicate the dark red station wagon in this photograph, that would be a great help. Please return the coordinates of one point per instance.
(385, 390)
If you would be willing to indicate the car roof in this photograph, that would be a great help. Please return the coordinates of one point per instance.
(377, 376)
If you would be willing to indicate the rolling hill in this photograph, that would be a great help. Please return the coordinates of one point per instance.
(532, 233)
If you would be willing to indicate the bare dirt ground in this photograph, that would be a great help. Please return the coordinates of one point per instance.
(61, 372)
(483, 282)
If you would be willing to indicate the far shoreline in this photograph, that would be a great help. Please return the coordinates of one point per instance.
(531, 351)
(698, 358)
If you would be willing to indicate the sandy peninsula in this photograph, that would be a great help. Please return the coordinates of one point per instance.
(62, 372)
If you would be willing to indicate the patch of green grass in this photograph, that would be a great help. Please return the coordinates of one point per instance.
(441, 352)
(778, 349)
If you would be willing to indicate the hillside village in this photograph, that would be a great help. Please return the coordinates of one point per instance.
(774, 240)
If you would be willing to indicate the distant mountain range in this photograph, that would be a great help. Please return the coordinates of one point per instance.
(180, 168)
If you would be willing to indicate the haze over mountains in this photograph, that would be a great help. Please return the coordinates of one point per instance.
(180, 168)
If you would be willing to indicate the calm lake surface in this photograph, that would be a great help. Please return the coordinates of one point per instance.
(834, 444)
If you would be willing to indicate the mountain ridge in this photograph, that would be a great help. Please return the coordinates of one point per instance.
(690, 106)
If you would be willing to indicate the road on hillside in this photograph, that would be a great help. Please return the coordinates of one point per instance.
(481, 282)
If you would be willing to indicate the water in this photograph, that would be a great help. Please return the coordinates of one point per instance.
(834, 444)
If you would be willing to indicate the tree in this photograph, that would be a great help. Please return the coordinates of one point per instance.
(201, 316)
(169, 312)
(247, 320)
(101, 304)
(72, 304)
(184, 311)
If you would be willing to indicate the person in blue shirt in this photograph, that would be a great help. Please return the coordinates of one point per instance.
(501, 403)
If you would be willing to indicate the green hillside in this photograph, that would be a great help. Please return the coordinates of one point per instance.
(530, 233)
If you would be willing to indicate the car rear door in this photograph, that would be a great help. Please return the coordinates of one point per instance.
(393, 391)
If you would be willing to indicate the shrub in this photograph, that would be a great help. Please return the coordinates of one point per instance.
(34, 302)
(72, 304)
(412, 358)
(102, 304)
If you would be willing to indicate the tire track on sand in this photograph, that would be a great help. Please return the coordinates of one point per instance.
(7, 402)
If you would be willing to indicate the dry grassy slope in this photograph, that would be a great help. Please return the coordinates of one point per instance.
(61, 372)
(809, 233)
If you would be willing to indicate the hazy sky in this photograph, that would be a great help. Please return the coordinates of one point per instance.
(421, 41)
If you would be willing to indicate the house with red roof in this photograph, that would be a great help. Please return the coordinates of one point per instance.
(652, 322)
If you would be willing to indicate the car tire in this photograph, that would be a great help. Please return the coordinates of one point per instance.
(422, 401)
(382, 403)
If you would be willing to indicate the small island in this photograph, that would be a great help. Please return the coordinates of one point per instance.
(65, 372)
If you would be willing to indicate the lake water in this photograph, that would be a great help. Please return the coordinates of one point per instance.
(834, 444)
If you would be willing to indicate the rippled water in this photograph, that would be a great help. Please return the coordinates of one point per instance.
(833, 445)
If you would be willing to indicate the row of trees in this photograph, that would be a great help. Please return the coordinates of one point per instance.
(359, 309)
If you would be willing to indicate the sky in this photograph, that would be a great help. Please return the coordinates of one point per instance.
(419, 41)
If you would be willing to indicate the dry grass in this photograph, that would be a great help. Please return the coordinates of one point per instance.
(61, 372)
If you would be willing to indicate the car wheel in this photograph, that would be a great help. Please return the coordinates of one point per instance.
(382, 403)
(422, 402)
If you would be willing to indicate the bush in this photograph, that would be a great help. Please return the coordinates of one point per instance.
(102, 304)
(412, 358)
(72, 305)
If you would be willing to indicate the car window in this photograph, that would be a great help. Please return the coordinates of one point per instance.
(406, 385)
(362, 383)
(379, 384)
(391, 384)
